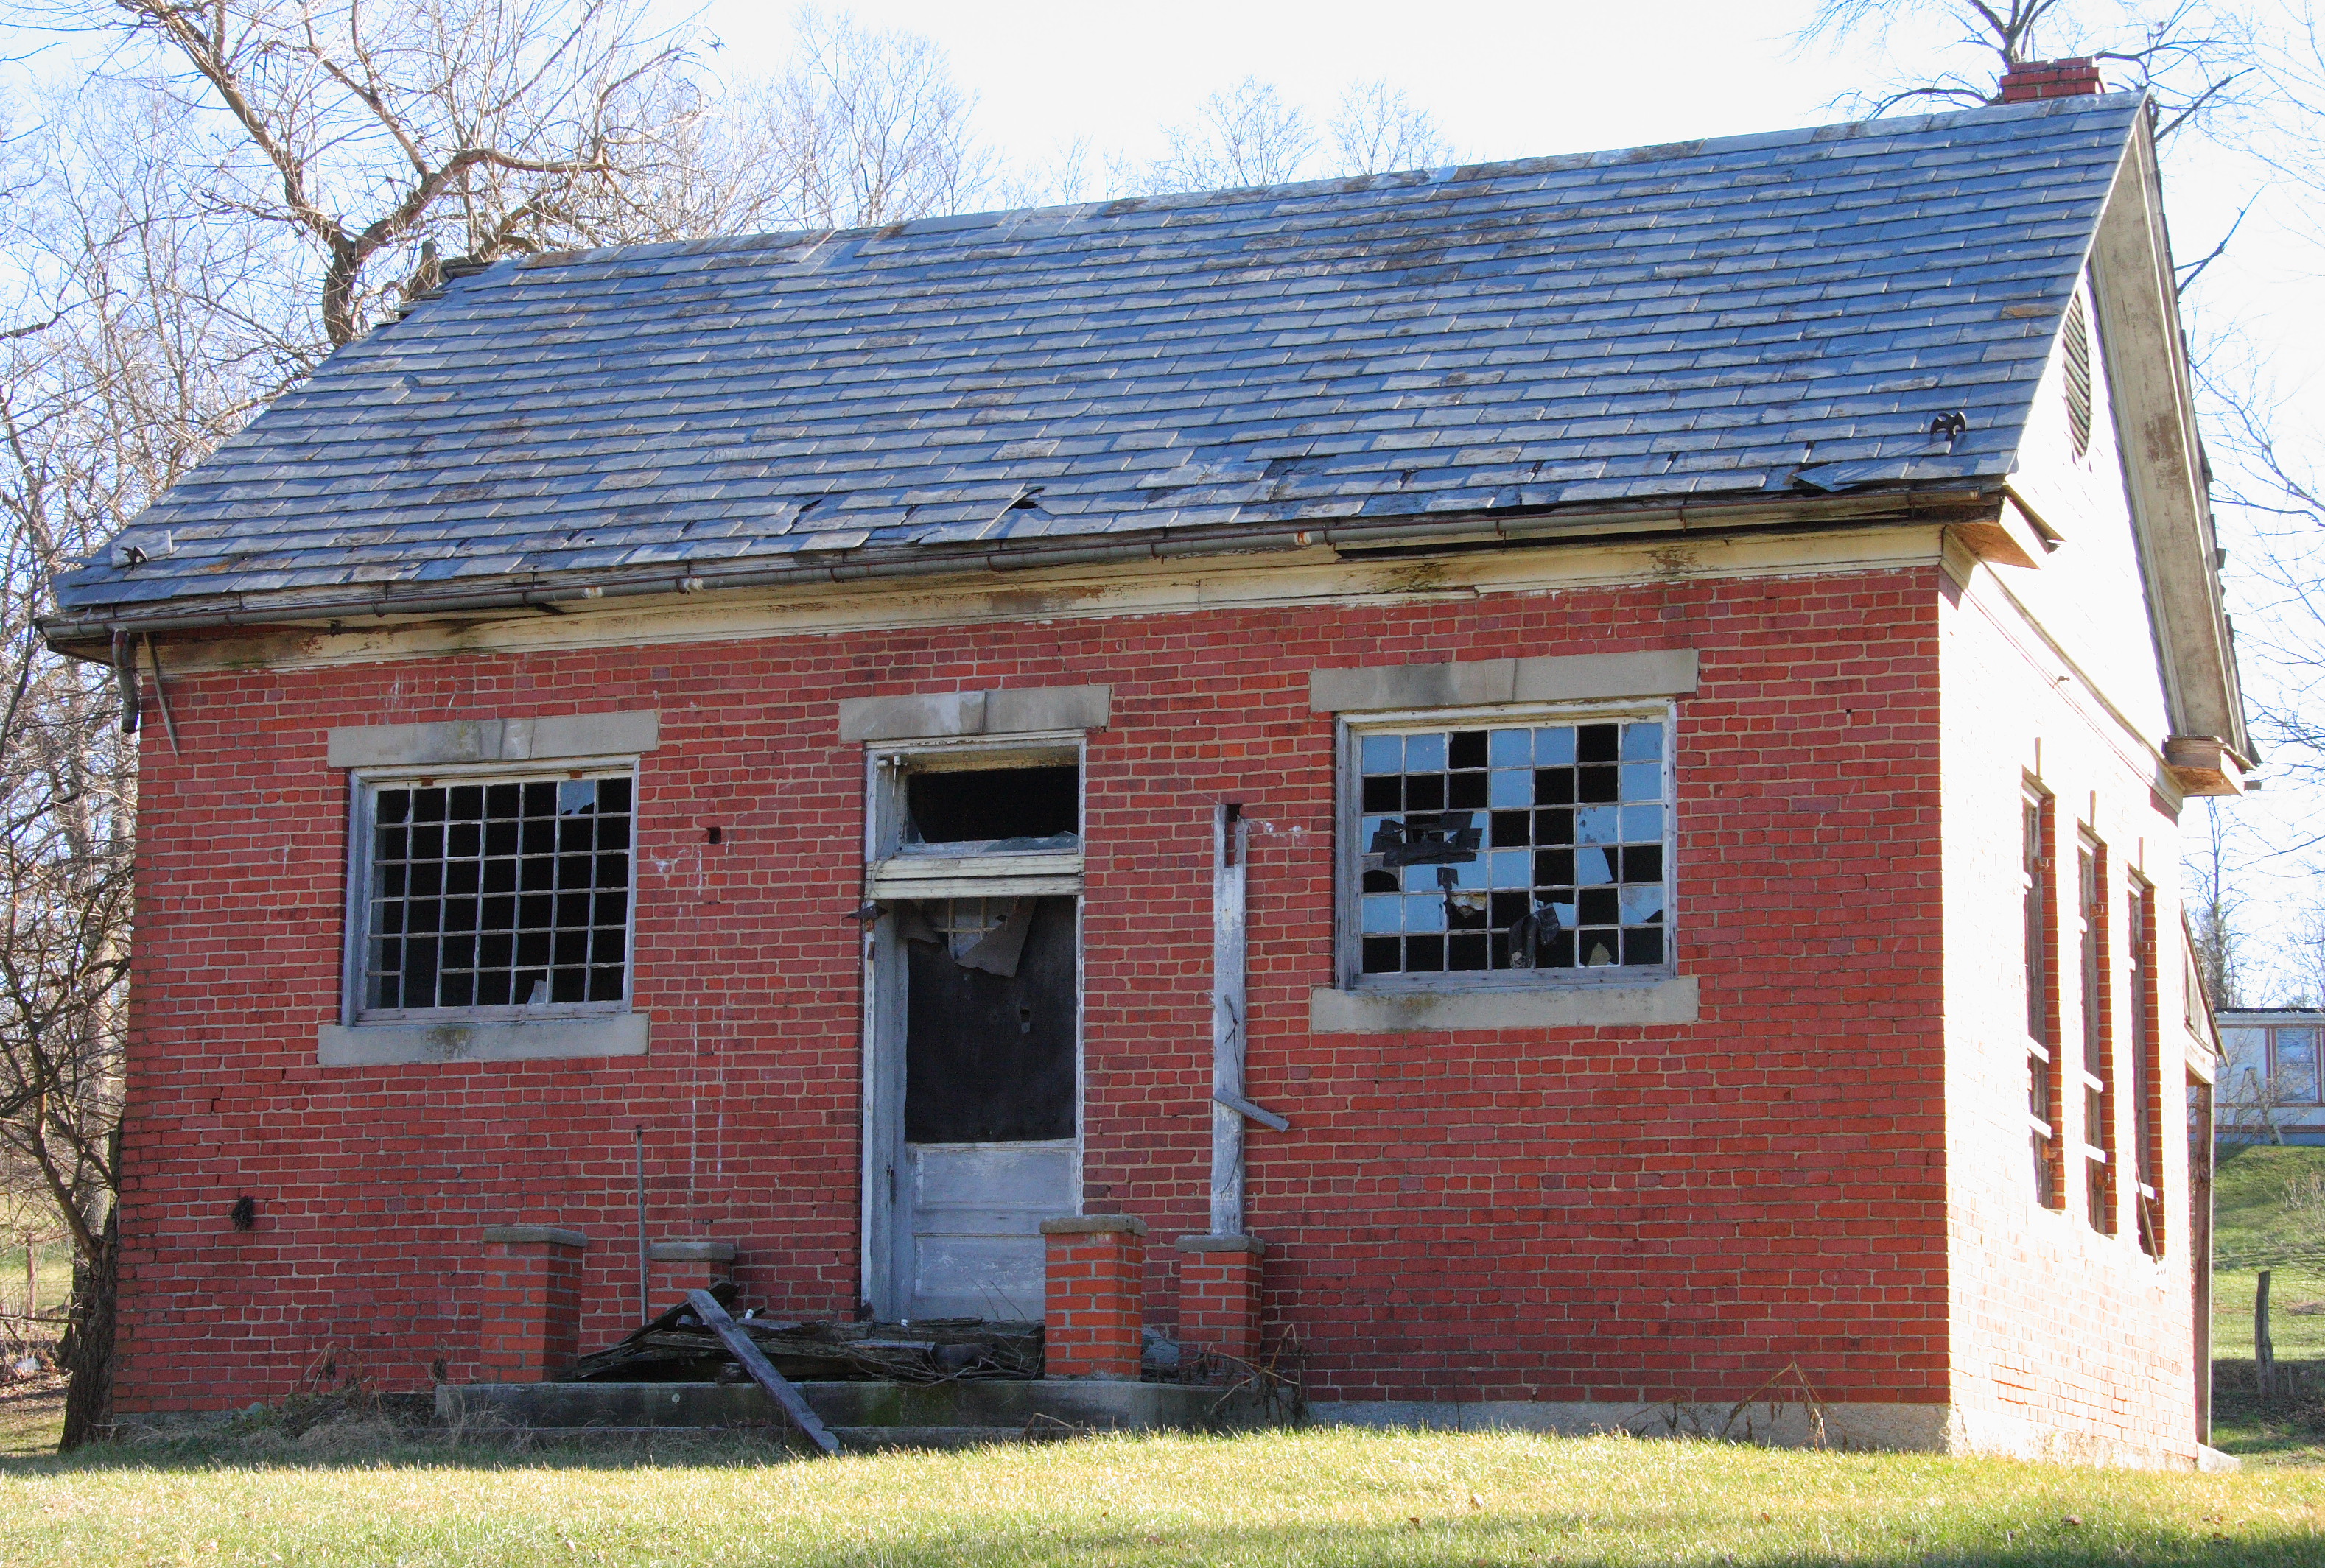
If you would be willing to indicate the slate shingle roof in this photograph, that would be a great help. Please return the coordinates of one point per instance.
(1688, 320)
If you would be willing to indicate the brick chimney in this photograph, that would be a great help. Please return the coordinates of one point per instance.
(2049, 78)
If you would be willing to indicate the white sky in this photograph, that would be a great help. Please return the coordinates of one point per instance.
(1503, 80)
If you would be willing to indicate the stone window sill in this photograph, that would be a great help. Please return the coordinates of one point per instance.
(1669, 1001)
(497, 1040)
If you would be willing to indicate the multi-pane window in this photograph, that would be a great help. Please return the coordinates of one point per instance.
(504, 892)
(2042, 1023)
(2141, 1017)
(2270, 1078)
(2098, 1069)
(1513, 845)
(2294, 1066)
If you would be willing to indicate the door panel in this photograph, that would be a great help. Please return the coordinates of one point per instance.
(977, 1226)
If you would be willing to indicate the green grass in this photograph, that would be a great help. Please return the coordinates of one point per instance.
(53, 1262)
(2250, 1219)
(2254, 1230)
(1299, 1498)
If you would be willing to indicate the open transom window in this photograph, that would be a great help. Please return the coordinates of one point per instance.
(1507, 847)
(507, 893)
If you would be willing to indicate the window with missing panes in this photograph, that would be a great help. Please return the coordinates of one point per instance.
(479, 894)
(1511, 846)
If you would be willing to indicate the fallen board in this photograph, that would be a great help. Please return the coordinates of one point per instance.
(706, 1308)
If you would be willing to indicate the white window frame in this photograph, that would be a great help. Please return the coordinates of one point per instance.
(1348, 851)
(895, 870)
(363, 787)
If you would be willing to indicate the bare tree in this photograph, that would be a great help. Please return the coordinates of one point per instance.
(1376, 131)
(865, 127)
(240, 185)
(2305, 967)
(388, 137)
(1245, 135)
(862, 127)
(128, 358)
(2196, 58)
(2250, 1107)
(1251, 135)
(2214, 905)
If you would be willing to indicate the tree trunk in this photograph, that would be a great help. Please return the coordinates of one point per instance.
(87, 1348)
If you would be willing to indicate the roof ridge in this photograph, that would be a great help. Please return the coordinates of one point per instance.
(813, 239)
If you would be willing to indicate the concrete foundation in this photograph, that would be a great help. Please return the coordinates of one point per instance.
(868, 1413)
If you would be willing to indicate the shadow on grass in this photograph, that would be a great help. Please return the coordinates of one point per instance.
(2287, 1427)
(243, 1442)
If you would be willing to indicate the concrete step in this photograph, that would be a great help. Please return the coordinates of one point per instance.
(997, 1410)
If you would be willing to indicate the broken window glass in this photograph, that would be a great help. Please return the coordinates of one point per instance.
(992, 810)
(504, 892)
(1537, 846)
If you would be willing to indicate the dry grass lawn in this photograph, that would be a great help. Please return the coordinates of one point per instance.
(344, 1496)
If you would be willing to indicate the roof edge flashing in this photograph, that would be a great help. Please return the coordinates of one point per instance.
(1407, 534)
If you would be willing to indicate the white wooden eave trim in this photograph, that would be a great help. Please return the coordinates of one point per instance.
(2163, 456)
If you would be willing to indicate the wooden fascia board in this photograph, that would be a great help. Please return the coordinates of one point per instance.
(2162, 453)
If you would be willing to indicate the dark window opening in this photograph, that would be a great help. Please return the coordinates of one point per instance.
(1026, 808)
(2042, 1088)
(507, 893)
(2099, 1037)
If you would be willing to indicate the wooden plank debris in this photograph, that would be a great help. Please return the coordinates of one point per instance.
(778, 1387)
(675, 1348)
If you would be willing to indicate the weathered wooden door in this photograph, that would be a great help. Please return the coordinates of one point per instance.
(973, 1061)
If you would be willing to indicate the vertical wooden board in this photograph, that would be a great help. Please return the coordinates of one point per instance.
(1230, 849)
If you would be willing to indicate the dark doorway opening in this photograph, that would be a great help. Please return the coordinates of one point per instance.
(989, 1056)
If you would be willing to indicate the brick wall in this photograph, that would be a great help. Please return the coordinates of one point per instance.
(1616, 1213)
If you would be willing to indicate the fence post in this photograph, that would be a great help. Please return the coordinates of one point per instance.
(2264, 1353)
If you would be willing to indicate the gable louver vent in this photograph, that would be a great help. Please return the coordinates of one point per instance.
(2077, 337)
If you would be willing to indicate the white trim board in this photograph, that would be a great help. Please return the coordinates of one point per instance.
(1314, 577)
(1669, 1000)
(459, 741)
(526, 1040)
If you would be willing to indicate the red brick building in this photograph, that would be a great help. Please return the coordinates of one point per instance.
(1574, 762)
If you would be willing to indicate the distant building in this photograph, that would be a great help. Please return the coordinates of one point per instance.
(2269, 1081)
